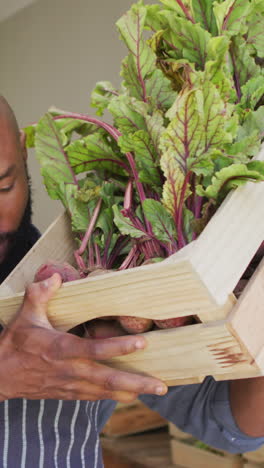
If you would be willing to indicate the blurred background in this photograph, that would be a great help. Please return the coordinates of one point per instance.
(52, 53)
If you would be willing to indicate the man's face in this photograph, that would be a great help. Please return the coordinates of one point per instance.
(14, 190)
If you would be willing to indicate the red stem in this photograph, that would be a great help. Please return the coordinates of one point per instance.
(185, 10)
(128, 196)
(181, 240)
(80, 263)
(129, 258)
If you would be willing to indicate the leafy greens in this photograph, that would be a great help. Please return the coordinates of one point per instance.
(187, 121)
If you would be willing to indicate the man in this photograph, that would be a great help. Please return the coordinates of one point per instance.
(56, 396)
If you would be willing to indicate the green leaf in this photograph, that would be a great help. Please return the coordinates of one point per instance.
(159, 91)
(174, 6)
(189, 43)
(30, 132)
(155, 128)
(53, 159)
(101, 96)
(244, 147)
(129, 113)
(161, 221)
(203, 13)
(68, 126)
(252, 92)
(124, 224)
(94, 152)
(131, 27)
(89, 191)
(130, 74)
(175, 187)
(109, 194)
(154, 20)
(188, 224)
(231, 177)
(77, 209)
(145, 155)
(231, 16)
(198, 124)
(242, 64)
(105, 223)
(255, 25)
(254, 121)
(216, 69)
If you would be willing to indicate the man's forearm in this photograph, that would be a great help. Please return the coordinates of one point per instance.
(247, 404)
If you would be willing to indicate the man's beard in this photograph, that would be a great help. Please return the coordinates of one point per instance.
(19, 241)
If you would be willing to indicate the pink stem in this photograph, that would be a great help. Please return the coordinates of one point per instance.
(129, 258)
(181, 239)
(185, 10)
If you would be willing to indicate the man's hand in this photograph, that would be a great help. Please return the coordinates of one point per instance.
(37, 361)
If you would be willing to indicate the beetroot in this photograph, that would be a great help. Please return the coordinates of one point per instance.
(135, 324)
(106, 327)
(103, 329)
(174, 322)
(65, 270)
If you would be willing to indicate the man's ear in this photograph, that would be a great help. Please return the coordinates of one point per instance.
(23, 138)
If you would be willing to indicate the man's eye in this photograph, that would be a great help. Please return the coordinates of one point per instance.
(7, 188)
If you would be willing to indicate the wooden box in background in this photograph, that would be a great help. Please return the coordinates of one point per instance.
(188, 452)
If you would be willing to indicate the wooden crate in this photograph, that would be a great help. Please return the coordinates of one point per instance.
(256, 458)
(186, 452)
(149, 450)
(132, 418)
(199, 280)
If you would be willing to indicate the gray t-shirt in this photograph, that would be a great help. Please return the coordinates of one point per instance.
(65, 434)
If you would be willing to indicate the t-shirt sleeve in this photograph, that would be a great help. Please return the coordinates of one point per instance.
(204, 411)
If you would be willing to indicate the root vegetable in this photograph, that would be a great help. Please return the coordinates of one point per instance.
(107, 326)
(135, 324)
(103, 329)
(65, 270)
(174, 322)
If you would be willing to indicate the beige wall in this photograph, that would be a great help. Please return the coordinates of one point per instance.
(53, 53)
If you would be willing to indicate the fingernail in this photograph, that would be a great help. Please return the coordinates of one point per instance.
(48, 282)
(139, 344)
(160, 390)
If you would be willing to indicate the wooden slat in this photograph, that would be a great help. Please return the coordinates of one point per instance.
(57, 244)
(147, 450)
(247, 317)
(132, 419)
(177, 433)
(257, 456)
(235, 373)
(153, 291)
(189, 456)
(182, 353)
(230, 240)
(248, 465)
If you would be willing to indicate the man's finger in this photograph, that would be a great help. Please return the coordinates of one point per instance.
(37, 296)
(67, 346)
(80, 390)
(110, 379)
